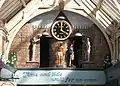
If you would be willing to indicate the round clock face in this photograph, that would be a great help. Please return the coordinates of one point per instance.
(61, 30)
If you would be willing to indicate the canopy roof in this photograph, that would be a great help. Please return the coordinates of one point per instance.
(11, 7)
(105, 11)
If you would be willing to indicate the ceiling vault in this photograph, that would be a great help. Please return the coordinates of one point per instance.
(117, 4)
(104, 11)
(101, 12)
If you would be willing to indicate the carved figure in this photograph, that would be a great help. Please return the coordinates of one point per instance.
(60, 55)
(107, 62)
(71, 55)
(88, 49)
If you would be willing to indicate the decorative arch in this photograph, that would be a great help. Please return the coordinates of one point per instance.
(29, 17)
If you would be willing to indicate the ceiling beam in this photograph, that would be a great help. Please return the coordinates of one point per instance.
(117, 4)
(1, 3)
(23, 3)
(99, 4)
(78, 2)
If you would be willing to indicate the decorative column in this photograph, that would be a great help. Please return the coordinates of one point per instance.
(116, 41)
(113, 41)
(3, 38)
(1, 43)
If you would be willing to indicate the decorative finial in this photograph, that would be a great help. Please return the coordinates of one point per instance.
(61, 5)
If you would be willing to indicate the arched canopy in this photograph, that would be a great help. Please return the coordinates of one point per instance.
(104, 13)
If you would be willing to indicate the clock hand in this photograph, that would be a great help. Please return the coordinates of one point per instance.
(64, 32)
(61, 26)
(61, 29)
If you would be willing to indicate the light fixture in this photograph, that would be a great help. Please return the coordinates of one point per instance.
(78, 34)
(45, 33)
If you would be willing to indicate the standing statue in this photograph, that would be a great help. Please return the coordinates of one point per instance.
(60, 55)
(32, 47)
(88, 49)
(107, 62)
(71, 52)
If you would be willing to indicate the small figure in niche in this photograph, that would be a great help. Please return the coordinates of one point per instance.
(80, 64)
(107, 62)
(71, 52)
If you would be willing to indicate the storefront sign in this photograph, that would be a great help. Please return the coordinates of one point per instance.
(7, 83)
(60, 77)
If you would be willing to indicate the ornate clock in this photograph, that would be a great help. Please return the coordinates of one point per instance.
(61, 30)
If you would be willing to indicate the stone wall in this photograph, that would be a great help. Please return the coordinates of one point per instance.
(20, 45)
